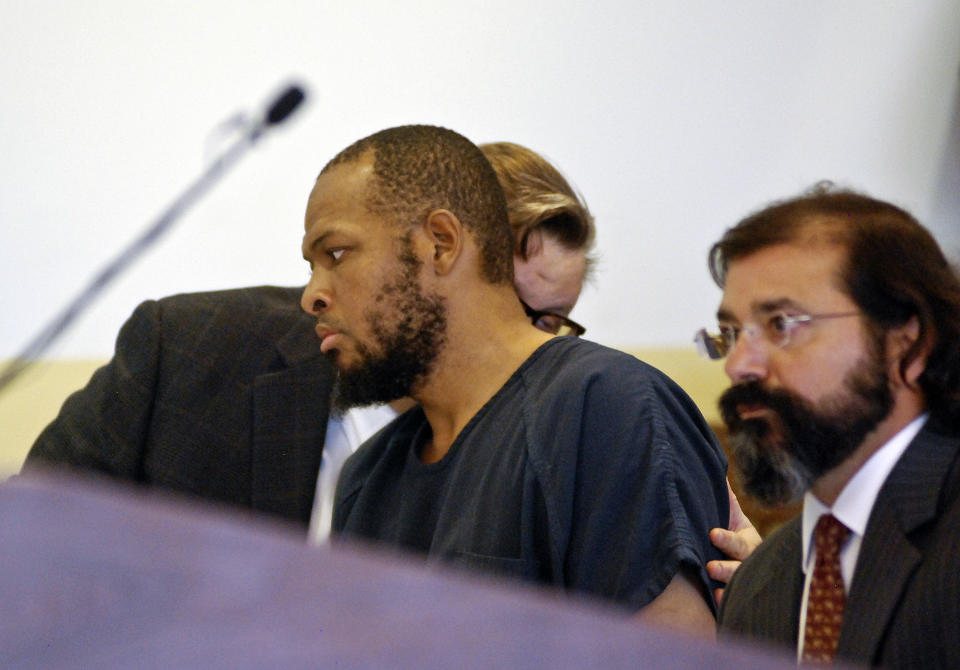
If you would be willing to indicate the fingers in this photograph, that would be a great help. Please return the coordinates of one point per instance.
(738, 520)
(736, 542)
(749, 540)
(733, 544)
(741, 537)
(722, 571)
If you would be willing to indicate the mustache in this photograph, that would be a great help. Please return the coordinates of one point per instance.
(752, 393)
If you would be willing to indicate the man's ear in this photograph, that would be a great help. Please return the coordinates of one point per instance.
(445, 234)
(899, 341)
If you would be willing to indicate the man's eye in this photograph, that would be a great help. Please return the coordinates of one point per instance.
(335, 254)
(779, 324)
(729, 333)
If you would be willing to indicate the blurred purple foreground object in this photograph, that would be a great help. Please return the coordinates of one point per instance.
(95, 574)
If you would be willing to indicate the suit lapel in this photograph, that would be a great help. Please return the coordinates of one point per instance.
(888, 557)
(785, 588)
(763, 599)
(290, 410)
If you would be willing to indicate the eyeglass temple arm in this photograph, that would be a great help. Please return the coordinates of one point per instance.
(706, 345)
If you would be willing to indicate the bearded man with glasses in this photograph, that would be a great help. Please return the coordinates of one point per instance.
(840, 324)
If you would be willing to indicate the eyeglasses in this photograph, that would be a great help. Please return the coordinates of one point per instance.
(778, 329)
(555, 324)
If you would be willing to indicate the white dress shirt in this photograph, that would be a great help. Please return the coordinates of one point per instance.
(344, 434)
(852, 508)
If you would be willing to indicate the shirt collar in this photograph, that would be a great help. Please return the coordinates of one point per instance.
(855, 502)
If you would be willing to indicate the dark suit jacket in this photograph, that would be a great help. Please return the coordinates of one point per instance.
(223, 395)
(903, 609)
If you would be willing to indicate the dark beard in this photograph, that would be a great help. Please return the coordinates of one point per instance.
(780, 457)
(410, 336)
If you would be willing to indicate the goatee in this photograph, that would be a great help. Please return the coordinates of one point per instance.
(794, 442)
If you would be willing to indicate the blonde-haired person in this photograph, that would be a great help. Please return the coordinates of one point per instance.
(553, 231)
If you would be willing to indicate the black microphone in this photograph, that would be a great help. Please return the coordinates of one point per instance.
(278, 112)
(284, 105)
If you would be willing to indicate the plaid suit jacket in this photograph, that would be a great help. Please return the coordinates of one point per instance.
(222, 395)
(903, 608)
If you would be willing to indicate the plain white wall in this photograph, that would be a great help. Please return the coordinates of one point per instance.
(674, 118)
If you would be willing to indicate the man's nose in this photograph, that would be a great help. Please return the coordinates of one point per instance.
(316, 297)
(747, 360)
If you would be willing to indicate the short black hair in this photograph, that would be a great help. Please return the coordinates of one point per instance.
(418, 169)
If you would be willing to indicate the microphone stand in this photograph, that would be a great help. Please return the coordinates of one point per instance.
(279, 110)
